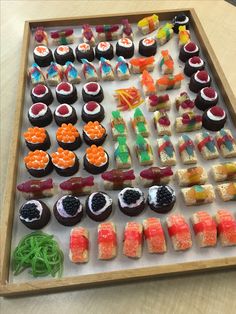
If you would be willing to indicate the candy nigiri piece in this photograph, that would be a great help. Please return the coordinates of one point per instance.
(166, 63)
(224, 171)
(148, 24)
(226, 227)
(107, 242)
(155, 176)
(165, 33)
(127, 29)
(41, 36)
(117, 179)
(154, 235)
(148, 83)
(54, 74)
(168, 82)
(106, 70)
(122, 69)
(139, 123)
(36, 75)
(138, 65)
(227, 191)
(184, 35)
(87, 35)
(78, 186)
(71, 73)
(89, 71)
(79, 245)
(36, 188)
(132, 245)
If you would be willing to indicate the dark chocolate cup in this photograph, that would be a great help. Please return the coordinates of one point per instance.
(94, 169)
(42, 222)
(101, 217)
(203, 104)
(47, 99)
(124, 52)
(98, 98)
(93, 117)
(43, 120)
(134, 211)
(71, 146)
(62, 59)
(89, 55)
(108, 54)
(97, 142)
(195, 86)
(68, 171)
(70, 119)
(44, 61)
(162, 209)
(41, 172)
(67, 99)
(42, 146)
(178, 24)
(189, 70)
(211, 125)
(68, 221)
(147, 51)
(184, 56)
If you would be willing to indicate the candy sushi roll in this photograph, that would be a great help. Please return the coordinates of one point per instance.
(226, 227)
(199, 80)
(161, 198)
(206, 145)
(122, 69)
(179, 232)
(127, 29)
(155, 102)
(117, 179)
(106, 70)
(107, 241)
(66, 93)
(180, 20)
(99, 206)
(125, 48)
(68, 137)
(40, 36)
(92, 91)
(154, 235)
(147, 47)
(89, 71)
(104, 49)
(41, 93)
(214, 118)
(162, 123)
(63, 54)
(191, 176)
(38, 163)
(206, 98)
(188, 122)
(184, 104)
(96, 159)
(31, 189)
(133, 239)
(198, 195)
(92, 111)
(131, 201)
(94, 133)
(166, 151)
(118, 125)
(166, 63)
(37, 138)
(227, 191)
(155, 176)
(40, 115)
(34, 214)
(108, 32)
(65, 162)
(42, 56)
(168, 82)
(139, 123)
(63, 36)
(71, 73)
(188, 51)
(79, 245)
(226, 143)
(187, 150)
(224, 171)
(143, 150)
(204, 228)
(193, 65)
(68, 210)
(36, 75)
(84, 51)
(122, 154)
(78, 186)
(148, 24)
(164, 34)
(65, 113)
(54, 74)
(148, 83)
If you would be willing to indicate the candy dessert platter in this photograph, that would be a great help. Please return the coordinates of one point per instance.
(124, 154)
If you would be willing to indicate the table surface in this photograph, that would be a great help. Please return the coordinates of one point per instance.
(202, 293)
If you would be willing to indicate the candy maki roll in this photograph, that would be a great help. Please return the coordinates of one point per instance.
(118, 125)
(65, 162)
(40, 36)
(98, 206)
(37, 138)
(104, 49)
(193, 65)
(78, 186)
(204, 227)
(42, 56)
(155, 176)
(36, 75)
(180, 20)
(139, 123)
(54, 74)
(148, 83)
(94, 133)
(188, 122)
(214, 118)
(147, 47)
(79, 245)
(68, 137)
(96, 159)
(162, 123)
(88, 35)
(164, 34)
(84, 51)
(131, 201)
(92, 91)
(155, 102)
(71, 73)
(66, 93)
(34, 214)
(133, 238)
(38, 163)
(122, 154)
(143, 151)
(122, 69)
(187, 150)
(226, 227)
(117, 179)
(161, 198)
(184, 35)
(166, 151)
(198, 195)
(206, 146)
(184, 104)
(188, 51)
(36, 188)
(63, 54)
(41, 93)
(40, 115)
(224, 171)
(154, 235)
(107, 241)
(125, 48)
(166, 63)
(191, 176)
(206, 98)
(89, 71)
(148, 24)
(92, 111)
(106, 70)
(65, 113)
(68, 210)
(199, 80)
(226, 143)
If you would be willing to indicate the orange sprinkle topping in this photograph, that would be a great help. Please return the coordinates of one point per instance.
(96, 155)
(35, 135)
(36, 160)
(94, 130)
(63, 158)
(67, 133)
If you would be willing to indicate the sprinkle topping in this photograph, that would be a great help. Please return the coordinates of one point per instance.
(36, 160)
(35, 135)
(96, 155)
(67, 133)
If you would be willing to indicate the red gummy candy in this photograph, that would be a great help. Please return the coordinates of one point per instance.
(217, 111)
(36, 108)
(195, 60)
(91, 105)
(63, 110)
(164, 121)
(64, 86)
(190, 46)
(39, 89)
(209, 92)
(187, 104)
(202, 75)
(92, 87)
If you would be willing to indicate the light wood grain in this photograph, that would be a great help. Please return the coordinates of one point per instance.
(17, 11)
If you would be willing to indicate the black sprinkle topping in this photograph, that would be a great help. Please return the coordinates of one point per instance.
(131, 196)
(181, 17)
(29, 211)
(71, 205)
(164, 196)
(98, 202)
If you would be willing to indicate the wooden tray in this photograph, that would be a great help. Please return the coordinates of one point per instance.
(67, 283)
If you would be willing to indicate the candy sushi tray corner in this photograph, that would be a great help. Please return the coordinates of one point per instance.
(127, 154)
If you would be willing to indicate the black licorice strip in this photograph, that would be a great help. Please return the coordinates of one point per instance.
(39, 252)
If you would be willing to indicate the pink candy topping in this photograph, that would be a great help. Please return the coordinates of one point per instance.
(91, 105)
(92, 87)
(190, 46)
(187, 104)
(217, 111)
(64, 86)
(39, 89)
(195, 60)
(202, 75)
(164, 121)
(36, 108)
(209, 92)
(63, 109)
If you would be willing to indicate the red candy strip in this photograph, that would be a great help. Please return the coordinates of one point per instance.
(183, 146)
(201, 227)
(134, 235)
(226, 226)
(163, 146)
(221, 140)
(78, 242)
(107, 236)
(178, 229)
(203, 142)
